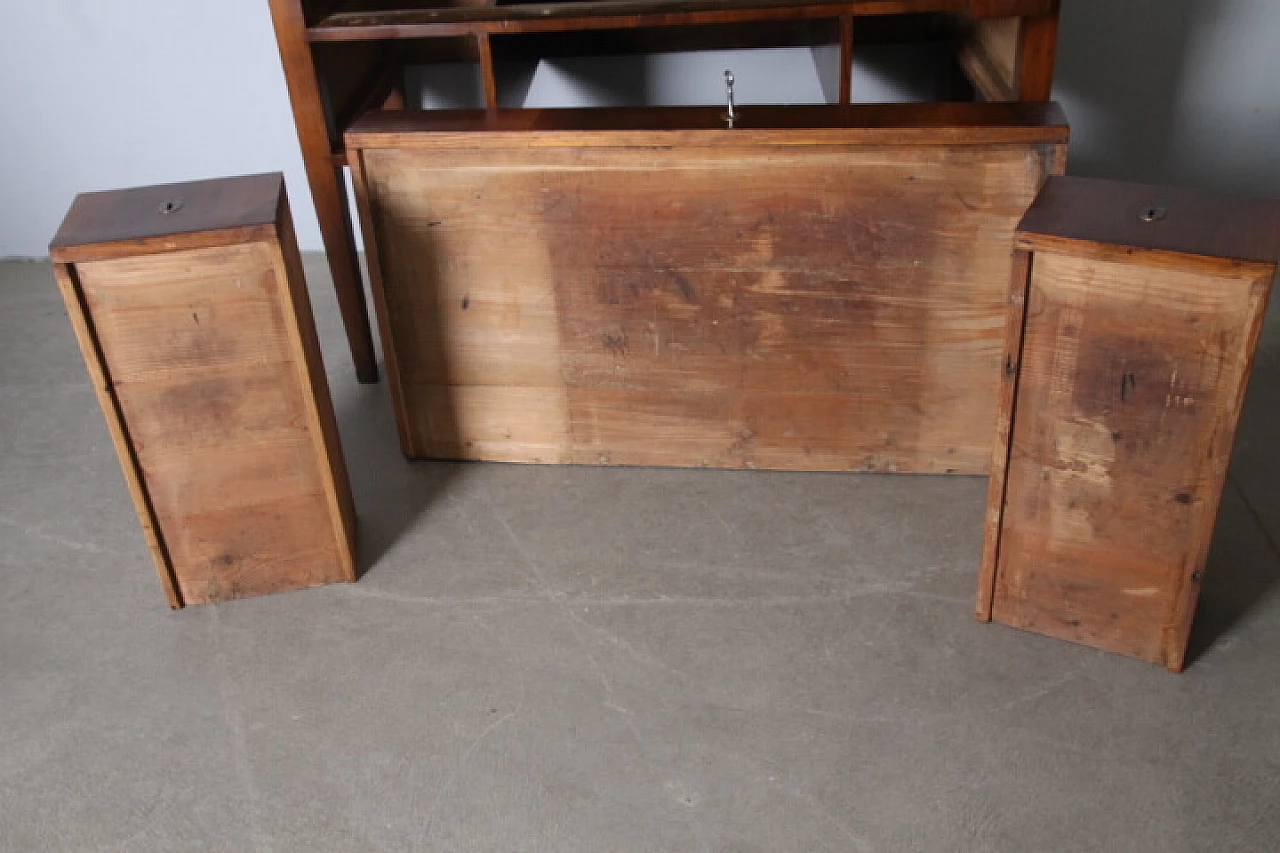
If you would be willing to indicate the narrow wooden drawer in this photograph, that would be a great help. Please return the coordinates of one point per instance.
(1136, 313)
(192, 313)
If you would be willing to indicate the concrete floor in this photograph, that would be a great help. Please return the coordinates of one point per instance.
(576, 659)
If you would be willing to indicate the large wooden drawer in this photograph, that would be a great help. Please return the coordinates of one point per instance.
(819, 288)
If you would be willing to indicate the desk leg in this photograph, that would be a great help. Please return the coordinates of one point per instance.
(1037, 52)
(334, 213)
(328, 187)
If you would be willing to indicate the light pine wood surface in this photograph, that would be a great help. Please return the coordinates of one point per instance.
(193, 317)
(806, 307)
(1132, 379)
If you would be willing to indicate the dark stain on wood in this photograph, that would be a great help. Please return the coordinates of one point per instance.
(615, 343)
(1127, 383)
(683, 285)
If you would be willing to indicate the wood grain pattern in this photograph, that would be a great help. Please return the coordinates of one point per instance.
(317, 400)
(845, 95)
(668, 127)
(1132, 378)
(1015, 321)
(373, 257)
(110, 403)
(488, 71)
(209, 372)
(1037, 53)
(130, 223)
(821, 307)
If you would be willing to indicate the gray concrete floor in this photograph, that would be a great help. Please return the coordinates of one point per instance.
(576, 659)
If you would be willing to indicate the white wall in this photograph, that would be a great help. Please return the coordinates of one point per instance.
(1177, 91)
(99, 94)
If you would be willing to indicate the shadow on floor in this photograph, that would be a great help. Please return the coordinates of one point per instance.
(1243, 569)
(1238, 577)
(391, 493)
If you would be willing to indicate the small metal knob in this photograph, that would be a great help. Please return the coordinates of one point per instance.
(731, 117)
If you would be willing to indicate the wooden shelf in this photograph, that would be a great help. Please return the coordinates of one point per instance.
(359, 20)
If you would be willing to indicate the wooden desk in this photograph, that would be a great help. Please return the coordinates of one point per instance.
(344, 57)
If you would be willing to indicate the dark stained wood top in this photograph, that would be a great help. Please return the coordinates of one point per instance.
(100, 222)
(345, 20)
(945, 123)
(1194, 222)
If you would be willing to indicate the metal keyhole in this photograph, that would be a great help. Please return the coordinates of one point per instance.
(172, 206)
(1153, 213)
